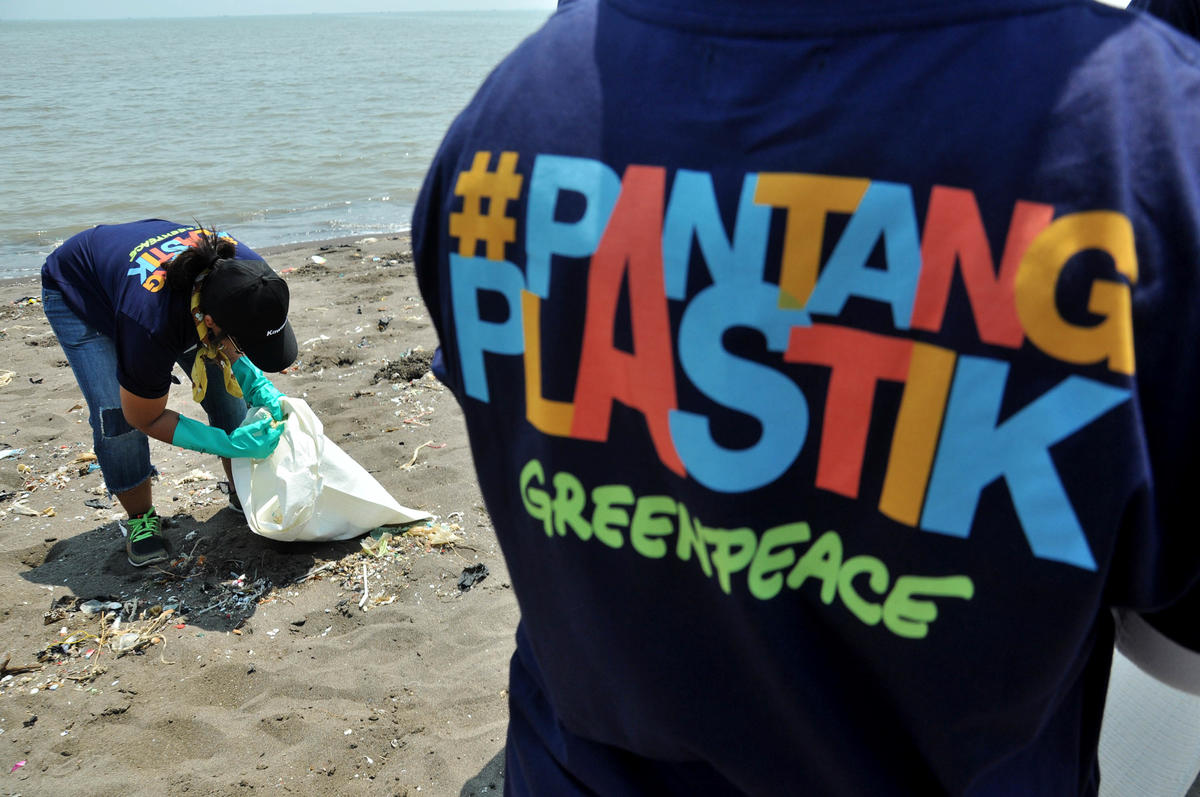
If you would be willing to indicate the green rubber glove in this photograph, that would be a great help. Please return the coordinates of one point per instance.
(256, 440)
(256, 388)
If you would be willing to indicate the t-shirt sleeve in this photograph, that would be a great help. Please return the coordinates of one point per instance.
(143, 363)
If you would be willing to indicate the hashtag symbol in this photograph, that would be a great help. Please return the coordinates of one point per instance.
(495, 228)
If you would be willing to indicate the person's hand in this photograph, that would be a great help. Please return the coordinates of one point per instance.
(256, 388)
(257, 439)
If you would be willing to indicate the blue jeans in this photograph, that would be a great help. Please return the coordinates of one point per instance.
(123, 452)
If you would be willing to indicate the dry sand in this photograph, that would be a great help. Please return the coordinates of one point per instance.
(244, 675)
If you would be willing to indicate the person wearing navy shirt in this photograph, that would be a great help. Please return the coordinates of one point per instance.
(128, 302)
(825, 370)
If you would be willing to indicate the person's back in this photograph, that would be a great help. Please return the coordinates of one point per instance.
(824, 370)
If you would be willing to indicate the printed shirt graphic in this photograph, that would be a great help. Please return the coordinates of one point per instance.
(112, 277)
(823, 419)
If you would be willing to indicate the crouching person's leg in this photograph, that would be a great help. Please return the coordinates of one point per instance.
(122, 451)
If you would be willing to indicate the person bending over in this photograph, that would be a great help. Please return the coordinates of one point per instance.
(129, 301)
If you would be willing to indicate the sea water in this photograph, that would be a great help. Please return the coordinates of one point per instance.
(280, 129)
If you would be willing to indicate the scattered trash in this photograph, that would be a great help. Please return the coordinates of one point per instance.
(427, 444)
(36, 380)
(384, 321)
(6, 377)
(472, 575)
(320, 261)
(433, 534)
(96, 503)
(20, 508)
(125, 642)
(11, 452)
(95, 607)
(16, 766)
(195, 475)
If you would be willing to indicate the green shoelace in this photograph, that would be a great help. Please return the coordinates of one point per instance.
(142, 527)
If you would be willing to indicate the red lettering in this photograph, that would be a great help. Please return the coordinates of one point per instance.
(954, 234)
(645, 380)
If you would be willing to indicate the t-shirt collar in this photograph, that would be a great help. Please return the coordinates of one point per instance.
(816, 17)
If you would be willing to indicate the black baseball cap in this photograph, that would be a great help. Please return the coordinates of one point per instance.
(249, 301)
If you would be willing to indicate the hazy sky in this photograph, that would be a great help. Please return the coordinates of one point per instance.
(117, 9)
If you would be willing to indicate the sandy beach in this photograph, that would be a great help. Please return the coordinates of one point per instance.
(244, 664)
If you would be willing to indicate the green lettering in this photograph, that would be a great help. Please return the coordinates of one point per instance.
(823, 560)
(866, 611)
(569, 500)
(732, 551)
(606, 515)
(651, 519)
(537, 501)
(764, 579)
(690, 541)
(906, 616)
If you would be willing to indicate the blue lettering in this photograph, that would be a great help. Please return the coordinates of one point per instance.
(886, 210)
(544, 236)
(693, 210)
(761, 392)
(975, 451)
(468, 276)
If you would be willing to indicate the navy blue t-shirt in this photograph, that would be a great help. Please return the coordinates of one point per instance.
(111, 276)
(827, 368)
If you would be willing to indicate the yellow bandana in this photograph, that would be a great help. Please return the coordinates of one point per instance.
(208, 351)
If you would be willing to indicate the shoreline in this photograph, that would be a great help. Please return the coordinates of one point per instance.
(265, 251)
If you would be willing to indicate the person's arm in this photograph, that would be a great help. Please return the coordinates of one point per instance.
(149, 415)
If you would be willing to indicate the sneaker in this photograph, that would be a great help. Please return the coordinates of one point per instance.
(235, 503)
(144, 542)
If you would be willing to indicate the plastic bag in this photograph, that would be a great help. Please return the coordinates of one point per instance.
(309, 489)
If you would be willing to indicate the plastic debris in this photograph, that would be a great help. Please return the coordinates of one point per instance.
(433, 534)
(11, 452)
(125, 642)
(16, 766)
(472, 575)
(196, 475)
(320, 261)
(95, 607)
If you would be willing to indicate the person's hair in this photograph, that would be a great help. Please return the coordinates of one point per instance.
(183, 269)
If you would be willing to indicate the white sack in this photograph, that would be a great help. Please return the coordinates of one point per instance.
(309, 489)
